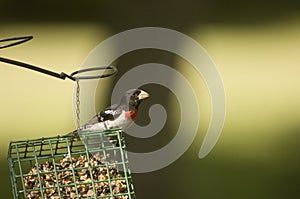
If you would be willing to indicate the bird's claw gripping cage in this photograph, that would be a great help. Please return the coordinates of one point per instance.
(64, 167)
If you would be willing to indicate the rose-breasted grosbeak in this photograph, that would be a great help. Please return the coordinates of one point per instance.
(119, 115)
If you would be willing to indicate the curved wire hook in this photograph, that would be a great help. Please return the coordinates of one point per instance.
(113, 68)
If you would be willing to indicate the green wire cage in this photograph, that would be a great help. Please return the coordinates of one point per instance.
(71, 167)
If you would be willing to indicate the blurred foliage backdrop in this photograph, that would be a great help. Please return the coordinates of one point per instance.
(255, 45)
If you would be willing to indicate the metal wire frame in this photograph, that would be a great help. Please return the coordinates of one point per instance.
(27, 154)
(13, 41)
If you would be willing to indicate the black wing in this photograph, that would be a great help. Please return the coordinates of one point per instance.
(109, 113)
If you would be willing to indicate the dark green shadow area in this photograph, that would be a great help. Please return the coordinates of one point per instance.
(179, 15)
(228, 176)
(5, 191)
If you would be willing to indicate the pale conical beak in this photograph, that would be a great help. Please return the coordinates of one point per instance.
(143, 95)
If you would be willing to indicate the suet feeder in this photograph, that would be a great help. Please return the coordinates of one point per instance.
(64, 167)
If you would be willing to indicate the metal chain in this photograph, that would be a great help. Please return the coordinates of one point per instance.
(78, 105)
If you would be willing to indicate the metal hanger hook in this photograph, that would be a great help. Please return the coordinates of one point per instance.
(73, 76)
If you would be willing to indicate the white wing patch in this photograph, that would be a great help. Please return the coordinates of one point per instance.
(108, 112)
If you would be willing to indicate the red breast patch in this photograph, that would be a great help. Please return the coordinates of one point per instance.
(131, 114)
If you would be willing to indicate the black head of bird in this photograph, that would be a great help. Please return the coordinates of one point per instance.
(133, 98)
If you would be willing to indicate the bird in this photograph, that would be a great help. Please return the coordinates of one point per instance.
(120, 115)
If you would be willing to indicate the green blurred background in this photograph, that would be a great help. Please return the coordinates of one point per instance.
(255, 46)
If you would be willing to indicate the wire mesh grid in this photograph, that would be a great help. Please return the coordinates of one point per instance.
(71, 167)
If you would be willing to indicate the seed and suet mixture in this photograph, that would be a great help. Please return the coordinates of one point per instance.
(80, 177)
